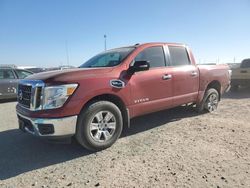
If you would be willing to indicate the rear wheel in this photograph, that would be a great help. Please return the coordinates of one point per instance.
(99, 125)
(209, 102)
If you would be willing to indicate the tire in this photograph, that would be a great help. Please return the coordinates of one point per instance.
(209, 102)
(99, 125)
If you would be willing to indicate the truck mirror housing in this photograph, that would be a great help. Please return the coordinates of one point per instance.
(139, 66)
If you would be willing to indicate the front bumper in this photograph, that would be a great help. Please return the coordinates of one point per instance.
(48, 127)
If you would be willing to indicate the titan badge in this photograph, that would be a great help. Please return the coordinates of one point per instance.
(116, 83)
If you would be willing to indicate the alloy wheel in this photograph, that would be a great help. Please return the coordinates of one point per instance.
(102, 126)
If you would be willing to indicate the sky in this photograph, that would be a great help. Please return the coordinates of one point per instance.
(41, 32)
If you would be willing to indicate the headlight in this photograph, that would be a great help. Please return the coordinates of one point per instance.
(56, 96)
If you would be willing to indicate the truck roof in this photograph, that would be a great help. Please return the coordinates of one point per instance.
(162, 43)
(152, 43)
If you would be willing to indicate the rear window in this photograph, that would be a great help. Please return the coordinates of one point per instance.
(245, 63)
(178, 55)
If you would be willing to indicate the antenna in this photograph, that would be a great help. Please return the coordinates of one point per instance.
(67, 51)
(105, 42)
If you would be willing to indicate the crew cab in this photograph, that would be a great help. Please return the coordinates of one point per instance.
(95, 101)
(241, 75)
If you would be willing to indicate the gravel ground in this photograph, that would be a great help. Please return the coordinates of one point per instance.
(173, 148)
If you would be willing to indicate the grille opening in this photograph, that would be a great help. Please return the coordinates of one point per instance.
(24, 95)
(30, 95)
(45, 129)
(26, 123)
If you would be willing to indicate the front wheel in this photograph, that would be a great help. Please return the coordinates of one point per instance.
(99, 125)
(209, 102)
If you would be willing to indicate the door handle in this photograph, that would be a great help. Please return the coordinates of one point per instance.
(194, 73)
(166, 76)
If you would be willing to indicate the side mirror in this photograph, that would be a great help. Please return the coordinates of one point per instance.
(139, 66)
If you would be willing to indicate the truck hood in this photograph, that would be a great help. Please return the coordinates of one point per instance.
(69, 75)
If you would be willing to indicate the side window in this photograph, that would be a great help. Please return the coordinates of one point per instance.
(178, 55)
(22, 74)
(6, 74)
(154, 55)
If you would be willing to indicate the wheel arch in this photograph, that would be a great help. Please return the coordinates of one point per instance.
(216, 85)
(114, 99)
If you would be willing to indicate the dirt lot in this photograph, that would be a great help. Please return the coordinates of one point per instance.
(174, 148)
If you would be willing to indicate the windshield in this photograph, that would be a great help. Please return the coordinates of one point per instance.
(109, 58)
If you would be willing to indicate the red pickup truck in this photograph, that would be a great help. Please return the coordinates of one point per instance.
(95, 101)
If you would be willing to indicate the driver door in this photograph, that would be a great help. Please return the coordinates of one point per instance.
(151, 90)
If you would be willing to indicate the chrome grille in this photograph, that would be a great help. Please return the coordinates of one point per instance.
(30, 93)
(24, 95)
(38, 97)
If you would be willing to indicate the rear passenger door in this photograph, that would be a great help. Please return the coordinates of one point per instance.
(185, 76)
(150, 91)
